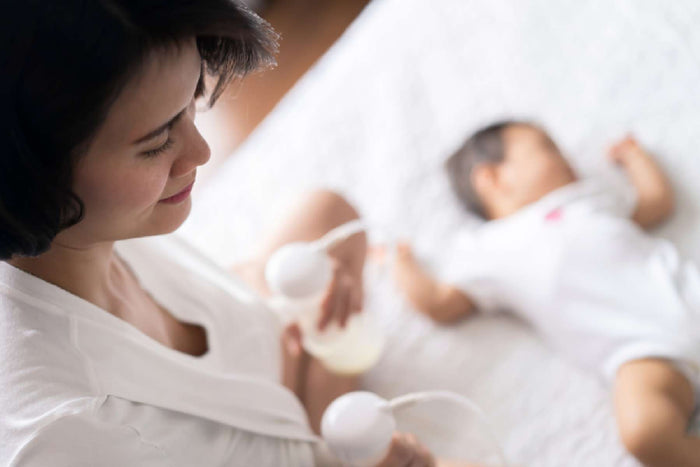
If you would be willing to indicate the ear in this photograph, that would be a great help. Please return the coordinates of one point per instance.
(484, 179)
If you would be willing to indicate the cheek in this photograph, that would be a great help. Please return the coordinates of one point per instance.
(517, 174)
(554, 169)
(110, 193)
(524, 177)
(510, 175)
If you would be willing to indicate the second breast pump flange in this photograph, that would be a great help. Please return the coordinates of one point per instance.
(358, 426)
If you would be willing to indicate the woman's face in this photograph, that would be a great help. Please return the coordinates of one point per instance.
(146, 151)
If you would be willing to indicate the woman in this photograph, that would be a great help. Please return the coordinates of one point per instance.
(122, 346)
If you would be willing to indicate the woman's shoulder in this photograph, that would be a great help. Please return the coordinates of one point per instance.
(49, 401)
(36, 344)
(41, 373)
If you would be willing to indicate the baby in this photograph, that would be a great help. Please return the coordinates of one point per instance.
(572, 257)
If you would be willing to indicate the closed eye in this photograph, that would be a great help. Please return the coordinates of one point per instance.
(159, 150)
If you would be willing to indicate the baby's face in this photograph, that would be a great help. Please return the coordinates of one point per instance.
(533, 165)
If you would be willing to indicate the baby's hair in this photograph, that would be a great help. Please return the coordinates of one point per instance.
(483, 147)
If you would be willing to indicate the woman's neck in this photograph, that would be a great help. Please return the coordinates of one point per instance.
(88, 272)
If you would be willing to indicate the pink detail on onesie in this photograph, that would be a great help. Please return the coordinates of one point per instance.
(555, 215)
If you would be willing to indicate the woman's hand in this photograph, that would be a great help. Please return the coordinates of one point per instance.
(343, 297)
(406, 451)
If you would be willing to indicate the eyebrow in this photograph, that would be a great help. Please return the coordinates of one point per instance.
(160, 129)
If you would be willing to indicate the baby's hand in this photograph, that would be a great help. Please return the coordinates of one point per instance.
(404, 251)
(622, 151)
(405, 266)
(442, 302)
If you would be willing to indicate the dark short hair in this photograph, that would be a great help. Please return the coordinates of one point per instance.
(485, 146)
(63, 65)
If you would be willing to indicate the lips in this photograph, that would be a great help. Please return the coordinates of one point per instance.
(179, 196)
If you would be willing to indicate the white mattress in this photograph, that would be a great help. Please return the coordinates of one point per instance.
(391, 100)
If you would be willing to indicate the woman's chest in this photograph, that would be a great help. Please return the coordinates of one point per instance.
(141, 311)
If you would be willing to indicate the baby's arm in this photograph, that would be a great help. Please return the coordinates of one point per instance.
(655, 194)
(442, 302)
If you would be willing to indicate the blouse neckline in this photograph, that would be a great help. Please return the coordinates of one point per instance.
(37, 289)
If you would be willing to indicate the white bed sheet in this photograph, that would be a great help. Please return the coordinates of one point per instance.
(376, 117)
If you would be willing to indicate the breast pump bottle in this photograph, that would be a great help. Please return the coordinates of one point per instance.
(298, 274)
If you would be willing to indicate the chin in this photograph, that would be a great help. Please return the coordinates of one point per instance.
(169, 218)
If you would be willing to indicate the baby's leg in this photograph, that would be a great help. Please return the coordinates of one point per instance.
(653, 404)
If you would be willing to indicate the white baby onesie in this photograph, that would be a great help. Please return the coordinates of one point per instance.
(593, 283)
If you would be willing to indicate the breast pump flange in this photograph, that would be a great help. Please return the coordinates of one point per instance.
(298, 275)
(358, 426)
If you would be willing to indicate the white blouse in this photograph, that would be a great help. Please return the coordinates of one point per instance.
(80, 387)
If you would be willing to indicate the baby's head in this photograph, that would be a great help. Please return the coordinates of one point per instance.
(506, 166)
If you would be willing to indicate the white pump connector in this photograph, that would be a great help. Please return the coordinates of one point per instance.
(358, 426)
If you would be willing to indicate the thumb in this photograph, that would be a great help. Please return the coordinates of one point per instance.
(291, 339)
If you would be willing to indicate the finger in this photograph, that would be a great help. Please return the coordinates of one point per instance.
(422, 456)
(345, 303)
(291, 339)
(339, 304)
(392, 457)
(293, 359)
(615, 155)
(615, 148)
(425, 456)
(331, 309)
(402, 453)
(328, 298)
(404, 253)
(356, 299)
(412, 442)
(329, 301)
(403, 247)
(377, 253)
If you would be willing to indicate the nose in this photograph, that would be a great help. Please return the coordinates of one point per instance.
(195, 152)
